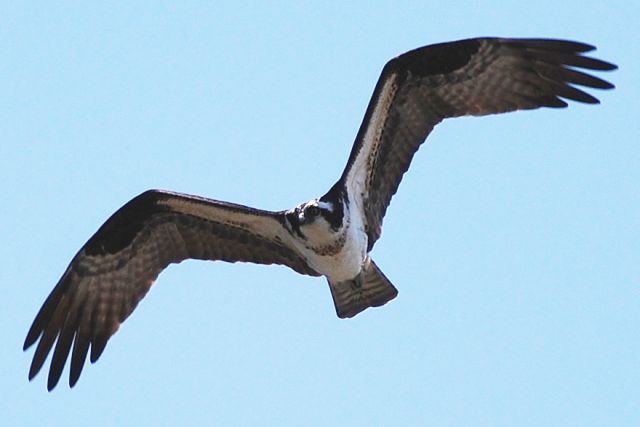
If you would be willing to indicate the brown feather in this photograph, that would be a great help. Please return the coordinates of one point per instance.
(467, 77)
(115, 269)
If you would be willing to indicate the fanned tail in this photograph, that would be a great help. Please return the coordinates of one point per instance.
(370, 288)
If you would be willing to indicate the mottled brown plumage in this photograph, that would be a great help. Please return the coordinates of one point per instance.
(114, 270)
(469, 77)
(116, 267)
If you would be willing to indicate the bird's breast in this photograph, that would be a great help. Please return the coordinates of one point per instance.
(341, 257)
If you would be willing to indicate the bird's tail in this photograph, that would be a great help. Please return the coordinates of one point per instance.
(370, 288)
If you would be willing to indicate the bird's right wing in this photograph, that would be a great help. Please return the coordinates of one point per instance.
(114, 270)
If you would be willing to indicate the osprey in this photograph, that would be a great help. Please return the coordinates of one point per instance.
(329, 236)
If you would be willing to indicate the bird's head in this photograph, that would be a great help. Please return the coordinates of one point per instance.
(313, 211)
(315, 218)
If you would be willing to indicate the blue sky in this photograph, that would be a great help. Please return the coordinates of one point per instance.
(513, 239)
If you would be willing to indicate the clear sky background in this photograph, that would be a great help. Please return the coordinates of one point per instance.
(513, 239)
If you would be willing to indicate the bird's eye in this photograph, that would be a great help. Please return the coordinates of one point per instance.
(312, 211)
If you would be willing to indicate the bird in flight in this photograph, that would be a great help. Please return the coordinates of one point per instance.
(329, 236)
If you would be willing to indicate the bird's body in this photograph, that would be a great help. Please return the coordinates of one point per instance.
(330, 236)
(337, 253)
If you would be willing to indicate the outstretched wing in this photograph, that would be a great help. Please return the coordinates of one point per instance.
(114, 270)
(475, 77)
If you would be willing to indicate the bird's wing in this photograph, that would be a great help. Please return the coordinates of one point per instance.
(475, 77)
(114, 270)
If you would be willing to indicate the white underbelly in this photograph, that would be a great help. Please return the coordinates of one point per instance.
(347, 263)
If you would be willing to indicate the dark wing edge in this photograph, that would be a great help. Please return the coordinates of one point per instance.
(114, 270)
(476, 77)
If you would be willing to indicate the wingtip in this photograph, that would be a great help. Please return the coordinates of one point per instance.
(73, 380)
(607, 85)
(607, 66)
(34, 369)
(31, 375)
(52, 383)
(598, 64)
(97, 347)
(32, 336)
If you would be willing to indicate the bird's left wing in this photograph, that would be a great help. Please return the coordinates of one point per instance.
(114, 270)
(475, 77)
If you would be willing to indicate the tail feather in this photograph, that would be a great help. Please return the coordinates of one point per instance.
(370, 288)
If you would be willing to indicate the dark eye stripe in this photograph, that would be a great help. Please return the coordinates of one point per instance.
(313, 211)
